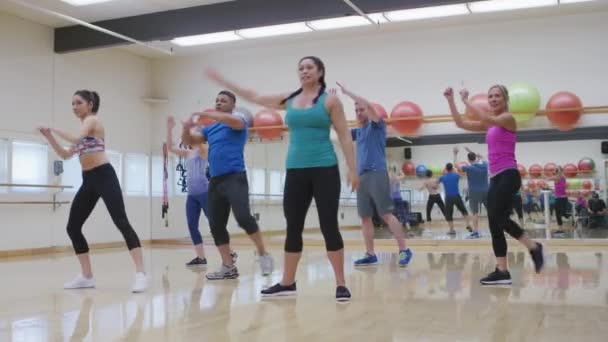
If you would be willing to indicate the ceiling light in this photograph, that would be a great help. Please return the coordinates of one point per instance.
(573, 1)
(335, 23)
(209, 38)
(274, 30)
(427, 12)
(84, 2)
(506, 5)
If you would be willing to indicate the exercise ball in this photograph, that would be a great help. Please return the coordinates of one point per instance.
(586, 165)
(573, 183)
(245, 113)
(549, 169)
(587, 185)
(380, 110)
(570, 170)
(479, 101)
(436, 169)
(408, 168)
(406, 109)
(541, 184)
(564, 120)
(421, 171)
(524, 101)
(205, 121)
(531, 184)
(268, 118)
(522, 170)
(535, 170)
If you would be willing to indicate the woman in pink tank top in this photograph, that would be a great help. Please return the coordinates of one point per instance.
(500, 127)
(561, 199)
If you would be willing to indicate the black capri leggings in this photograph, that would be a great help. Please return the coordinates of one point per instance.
(301, 185)
(503, 187)
(99, 182)
(561, 209)
(434, 199)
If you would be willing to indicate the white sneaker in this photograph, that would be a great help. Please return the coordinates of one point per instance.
(80, 282)
(141, 283)
(266, 264)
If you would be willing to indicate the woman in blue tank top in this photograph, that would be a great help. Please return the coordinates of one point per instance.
(312, 167)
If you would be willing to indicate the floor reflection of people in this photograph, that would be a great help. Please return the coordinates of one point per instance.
(516, 261)
(563, 275)
(82, 326)
(134, 330)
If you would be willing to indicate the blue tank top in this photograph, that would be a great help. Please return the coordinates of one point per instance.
(196, 179)
(309, 143)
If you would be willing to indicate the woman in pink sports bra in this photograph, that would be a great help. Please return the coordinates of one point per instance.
(99, 180)
(500, 127)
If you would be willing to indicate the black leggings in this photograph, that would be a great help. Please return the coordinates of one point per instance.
(518, 206)
(99, 182)
(561, 208)
(436, 198)
(500, 206)
(301, 185)
(225, 192)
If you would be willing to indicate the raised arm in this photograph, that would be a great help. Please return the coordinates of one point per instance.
(504, 120)
(455, 150)
(478, 155)
(469, 125)
(61, 152)
(189, 137)
(171, 147)
(234, 121)
(88, 125)
(371, 112)
(268, 101)
(338, 119)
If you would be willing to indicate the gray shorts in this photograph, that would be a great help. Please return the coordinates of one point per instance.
(476, 199)
(374, 191)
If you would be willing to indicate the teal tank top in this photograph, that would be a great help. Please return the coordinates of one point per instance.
(309, 143)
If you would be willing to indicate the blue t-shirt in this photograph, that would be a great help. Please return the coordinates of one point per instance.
(371, 146)
(450, 183)
(226, 147)
(477, 176)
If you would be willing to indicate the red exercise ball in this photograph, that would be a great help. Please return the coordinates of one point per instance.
(549, 169)
(522, 170)
(587, 185)
(479, 101)
(380, 110)
(586, 165)
(570, 170)
(564, 120)
(204, 121)
(535, 171)
(406, 109)
(268, 118)
(408, 168)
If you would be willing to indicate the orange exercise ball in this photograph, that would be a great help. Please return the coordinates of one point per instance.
(480, 101)
(522, 170)
(380, 110)
(406, 109)
(564, 120)
(535, 170)
(268, 118)
(570, 170)
(549, 169)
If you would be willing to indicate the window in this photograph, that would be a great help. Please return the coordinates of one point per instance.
(157, 177)
(136, 174)
(276, 186)
(29, 165)
(4, 145)
(116, 161)
(72, 174)
(258, 183)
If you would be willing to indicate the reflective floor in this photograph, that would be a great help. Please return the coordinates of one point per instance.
(437, 298)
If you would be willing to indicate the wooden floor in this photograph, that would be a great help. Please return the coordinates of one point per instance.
(437, 298)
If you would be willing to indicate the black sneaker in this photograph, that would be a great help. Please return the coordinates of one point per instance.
(278, 290)
(497, 278)
(538, 257)
(197, 262)
(342, 294)
(469, 229)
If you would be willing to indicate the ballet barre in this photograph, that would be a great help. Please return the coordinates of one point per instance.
(56, 204)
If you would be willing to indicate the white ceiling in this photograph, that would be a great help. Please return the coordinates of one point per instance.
(91, 13)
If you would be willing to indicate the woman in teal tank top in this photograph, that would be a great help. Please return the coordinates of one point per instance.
(312, 167)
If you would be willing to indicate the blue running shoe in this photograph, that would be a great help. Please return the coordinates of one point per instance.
(404, 257)
(367, 260)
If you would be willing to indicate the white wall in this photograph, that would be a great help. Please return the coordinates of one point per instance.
(36, 86)
(554, 53)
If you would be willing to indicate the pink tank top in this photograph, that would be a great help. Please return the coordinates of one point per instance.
(560, 188)
(501, 149)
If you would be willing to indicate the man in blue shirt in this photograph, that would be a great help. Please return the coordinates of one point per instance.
(228, 187)
(477, 178)
(450, 182)
(374, 188)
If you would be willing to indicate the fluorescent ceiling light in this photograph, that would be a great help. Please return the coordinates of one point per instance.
(506, 5)
(84, 2)
(378, 18)
(427, 12)
(335, 23)
(573, 1)
(274, 30)
(209, 38)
